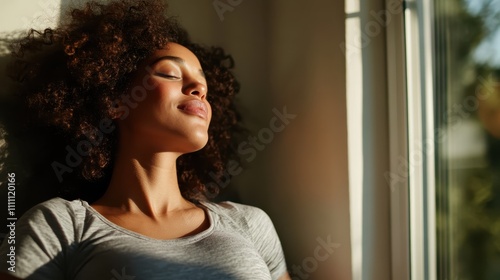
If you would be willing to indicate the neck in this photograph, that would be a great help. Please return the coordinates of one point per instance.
(145, 182)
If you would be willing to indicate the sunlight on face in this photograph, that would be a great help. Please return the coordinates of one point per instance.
(171, 112)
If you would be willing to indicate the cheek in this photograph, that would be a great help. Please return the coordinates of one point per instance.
(160, 97)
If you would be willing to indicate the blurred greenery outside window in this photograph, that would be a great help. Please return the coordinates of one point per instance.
(467, 125)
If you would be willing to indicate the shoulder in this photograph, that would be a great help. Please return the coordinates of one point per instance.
(245, 217)
(238, 211)
(59, 203)
(43, 237)
(57, 215)
(234, 208)
(57, 208)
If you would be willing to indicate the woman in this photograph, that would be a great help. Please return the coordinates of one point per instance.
(143, 106)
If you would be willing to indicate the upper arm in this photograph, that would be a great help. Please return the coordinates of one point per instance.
(37, 245)
(268, 243)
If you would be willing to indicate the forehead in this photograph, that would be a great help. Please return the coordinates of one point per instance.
(176, 50)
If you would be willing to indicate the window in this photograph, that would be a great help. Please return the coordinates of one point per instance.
(467, 159)
(450, 139)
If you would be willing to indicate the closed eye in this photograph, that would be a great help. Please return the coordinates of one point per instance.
(166, 76)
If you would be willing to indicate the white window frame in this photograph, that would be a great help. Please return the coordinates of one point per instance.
(411, 120)
(398, 146)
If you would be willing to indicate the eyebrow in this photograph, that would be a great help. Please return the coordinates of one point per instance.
(175, 59)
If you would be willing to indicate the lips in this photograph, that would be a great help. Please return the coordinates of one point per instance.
(195, 107)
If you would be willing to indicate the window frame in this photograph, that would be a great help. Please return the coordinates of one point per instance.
(410, 67)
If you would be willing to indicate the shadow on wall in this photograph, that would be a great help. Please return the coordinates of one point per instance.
(18, 146)
(27, 150)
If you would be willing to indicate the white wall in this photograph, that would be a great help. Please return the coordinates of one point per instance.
(20, 16)
(287, 54)
(25, 14)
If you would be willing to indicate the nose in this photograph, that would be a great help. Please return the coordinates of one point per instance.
(196, 89)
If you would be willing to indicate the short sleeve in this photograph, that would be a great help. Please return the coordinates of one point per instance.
(266, 240)
(268, 243)
(36, 248)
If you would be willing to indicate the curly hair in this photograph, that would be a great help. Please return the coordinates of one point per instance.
(71, 76)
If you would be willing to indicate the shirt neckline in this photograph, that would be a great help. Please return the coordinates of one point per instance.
(186, 239)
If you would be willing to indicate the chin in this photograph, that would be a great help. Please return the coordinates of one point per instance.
(196, 145)
(202, 145)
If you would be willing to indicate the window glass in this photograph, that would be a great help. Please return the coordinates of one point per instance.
(467, 123)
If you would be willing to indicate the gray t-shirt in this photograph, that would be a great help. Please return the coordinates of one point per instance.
(60, 239)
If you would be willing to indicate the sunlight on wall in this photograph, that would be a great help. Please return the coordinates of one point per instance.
(26, 14)
(354, 95)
